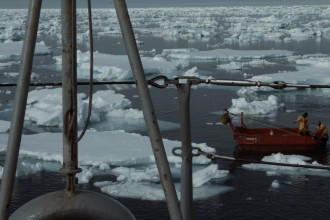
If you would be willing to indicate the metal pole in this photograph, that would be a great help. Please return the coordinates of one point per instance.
(17, 121)
(69, 93)
(186, 151)
(148, 110)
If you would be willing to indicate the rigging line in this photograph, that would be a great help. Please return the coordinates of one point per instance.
(91, 51)
(277, 128)
(261, 122)
(275, 84)
(212, 156)
(78, 83)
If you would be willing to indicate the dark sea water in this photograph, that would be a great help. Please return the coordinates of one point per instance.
(299, 197)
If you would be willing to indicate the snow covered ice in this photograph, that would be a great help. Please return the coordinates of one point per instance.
(273, 170)
(130, 156)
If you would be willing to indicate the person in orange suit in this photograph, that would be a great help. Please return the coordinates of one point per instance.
(322, 131)
(303, 123)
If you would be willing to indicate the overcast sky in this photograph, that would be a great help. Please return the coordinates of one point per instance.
(105, 3)
(162, 3)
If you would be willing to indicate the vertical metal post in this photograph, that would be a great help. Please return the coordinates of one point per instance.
(69, 93)
(17, 121)
(148, 110)
(186, 151)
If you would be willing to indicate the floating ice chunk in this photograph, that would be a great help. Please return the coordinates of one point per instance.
(4, 125)
(246, 23)
(259, 63)
(14, 49)
(255, 107)
(104, 166)
(275, 184)
(116, 148)
(141, 190)
(319, 64)
(227, 54)
(192, 72)
(149, 174)
(231, 66)
(288, 159)
(153, 191)
(25, 169)
(117, 67)
(85, 175)
(108, 100)
(205, 175)
(11, 74)
(300, 33)
(125, 113)
(45, 106)
(1, 172)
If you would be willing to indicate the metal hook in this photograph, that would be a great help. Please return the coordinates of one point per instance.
(155, 82)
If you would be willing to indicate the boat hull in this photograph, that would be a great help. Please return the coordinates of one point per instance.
(276, 140)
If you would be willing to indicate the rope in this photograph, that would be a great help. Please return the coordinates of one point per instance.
(91, 50)
(212, 156)
(261, 122)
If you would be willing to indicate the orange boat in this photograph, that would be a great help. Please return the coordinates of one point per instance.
(266, 140)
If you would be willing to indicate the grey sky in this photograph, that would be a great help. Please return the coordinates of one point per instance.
(101, 3)
(163, 3)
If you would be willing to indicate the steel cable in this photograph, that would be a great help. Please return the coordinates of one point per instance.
(213, 156)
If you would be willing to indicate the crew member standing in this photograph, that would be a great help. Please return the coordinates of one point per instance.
(303, 123)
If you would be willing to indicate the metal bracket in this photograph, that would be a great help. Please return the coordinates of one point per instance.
(179, 154)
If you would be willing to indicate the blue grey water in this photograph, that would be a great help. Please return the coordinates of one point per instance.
(252, 197)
